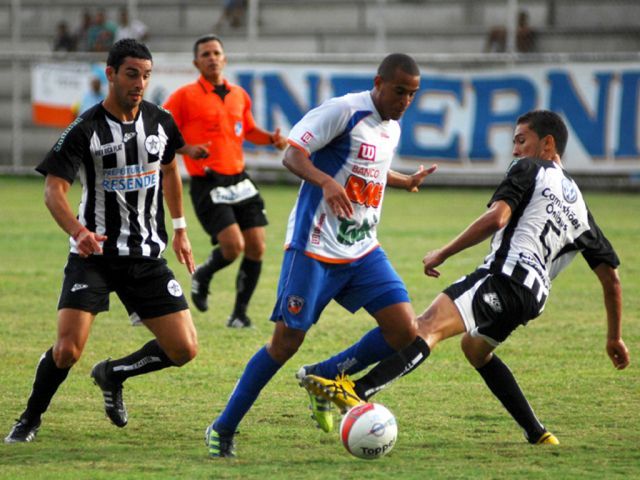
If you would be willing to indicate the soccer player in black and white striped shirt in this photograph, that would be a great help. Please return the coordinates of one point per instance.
(539, 221)
(123, 151)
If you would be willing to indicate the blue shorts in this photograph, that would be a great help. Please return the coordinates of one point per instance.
(307, 285)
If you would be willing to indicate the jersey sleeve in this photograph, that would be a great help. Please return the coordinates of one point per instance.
(66, 156)
(519, 179)
(320, 126)
(595, 247)
(174, 140)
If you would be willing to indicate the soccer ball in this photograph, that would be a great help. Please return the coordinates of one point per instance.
(369, 431)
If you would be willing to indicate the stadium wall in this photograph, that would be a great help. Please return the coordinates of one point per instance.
(462, 118)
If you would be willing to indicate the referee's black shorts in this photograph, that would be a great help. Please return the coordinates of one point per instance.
(215, 215)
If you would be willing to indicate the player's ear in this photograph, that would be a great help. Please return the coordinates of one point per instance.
(110, 72)
(377, 82)
(549, 147)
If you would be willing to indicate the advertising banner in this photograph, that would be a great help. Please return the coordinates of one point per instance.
(462, 118)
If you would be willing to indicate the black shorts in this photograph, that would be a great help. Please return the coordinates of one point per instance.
(222, 200)
(146, 286)
(492, 306)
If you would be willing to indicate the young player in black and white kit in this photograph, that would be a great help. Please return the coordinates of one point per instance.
(539, 221)
(123, 150)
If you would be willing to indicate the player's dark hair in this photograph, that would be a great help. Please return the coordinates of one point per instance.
(210, 37)
(546, 122)
(127, 47)
(392, 62)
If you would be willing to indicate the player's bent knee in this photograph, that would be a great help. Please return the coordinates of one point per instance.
(282, 351)
(183, 354)
(66, 354)
(398, 339)
(476, 357)
(255, 251)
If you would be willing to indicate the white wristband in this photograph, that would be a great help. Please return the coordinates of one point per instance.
(179, 223)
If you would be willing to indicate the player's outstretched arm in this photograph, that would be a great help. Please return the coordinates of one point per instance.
(612, 289)
(263, 137)
(172, 186)
(496, 217)
(55, 197)
(410, 183)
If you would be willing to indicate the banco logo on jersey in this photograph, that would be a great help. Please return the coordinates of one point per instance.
(367, 152)
(237, 128)
(569, 191)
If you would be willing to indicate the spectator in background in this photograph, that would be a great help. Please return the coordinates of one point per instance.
(130, 28)
(101, 34)
(525, 37)
(93, 96)
(234, 12)
(64, 41)
(82, 32)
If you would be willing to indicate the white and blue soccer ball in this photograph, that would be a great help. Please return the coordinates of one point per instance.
(369, 431)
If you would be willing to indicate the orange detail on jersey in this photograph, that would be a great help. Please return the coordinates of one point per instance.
(202, 116)
(324, 259)
(364, 193)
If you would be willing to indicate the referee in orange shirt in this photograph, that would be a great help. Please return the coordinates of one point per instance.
(215, 117)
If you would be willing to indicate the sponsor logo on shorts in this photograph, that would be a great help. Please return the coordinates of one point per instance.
(295, 304)
(174, 288)
(493, 301)
(79, 286)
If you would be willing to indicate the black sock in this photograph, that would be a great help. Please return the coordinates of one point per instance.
(246, 283)
(48, 379)
(392, 368)
(503, 384)
(148, 359)
(213, 263)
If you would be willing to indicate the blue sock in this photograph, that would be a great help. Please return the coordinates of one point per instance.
(370, 349)
(256, 375)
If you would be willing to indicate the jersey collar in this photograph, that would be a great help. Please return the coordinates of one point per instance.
(208, 87)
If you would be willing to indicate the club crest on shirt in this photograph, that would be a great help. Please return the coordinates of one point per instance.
(295, 304)
(237, 128)
(152, 144)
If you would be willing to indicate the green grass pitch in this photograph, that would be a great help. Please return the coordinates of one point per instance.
(450, 426)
